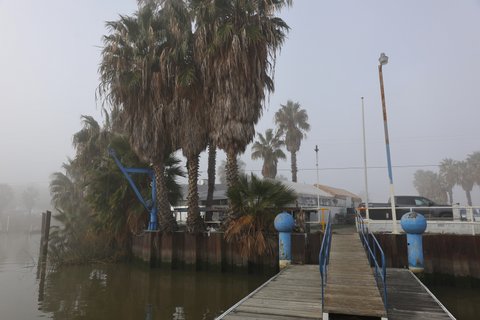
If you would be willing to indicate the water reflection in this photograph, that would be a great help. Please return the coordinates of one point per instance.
(127, 292)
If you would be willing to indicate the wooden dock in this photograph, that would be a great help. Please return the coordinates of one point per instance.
(351, 291)
(294, 293)
(351, 287)
(408, 298)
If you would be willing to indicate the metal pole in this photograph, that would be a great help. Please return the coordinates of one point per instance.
(318, 183)
(365, 162)
(387, 146)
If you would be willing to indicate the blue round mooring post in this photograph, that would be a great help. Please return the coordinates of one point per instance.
(414, 224)
(284, 224)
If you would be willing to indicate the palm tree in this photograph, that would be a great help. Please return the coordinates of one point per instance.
(466, 179)
(257, 201)
(268, 148)
(474, 160)
(293, 123)
(94, 201)
(236, 43)
(429, 185)
(138, 77)
(222, 169)
(449, 175)
(192, 130)
(6, 197)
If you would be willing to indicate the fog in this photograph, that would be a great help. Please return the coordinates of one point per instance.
(51, 51)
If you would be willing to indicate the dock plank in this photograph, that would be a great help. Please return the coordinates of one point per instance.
(351, 287)
(408, 298)
(294, 293)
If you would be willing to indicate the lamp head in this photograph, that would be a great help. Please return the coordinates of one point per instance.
(383, 59)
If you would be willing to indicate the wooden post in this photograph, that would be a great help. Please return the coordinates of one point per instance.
(42, 259)
(46, 217)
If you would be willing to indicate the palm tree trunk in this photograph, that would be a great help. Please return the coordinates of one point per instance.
(232, 179)
(194, 220)
(166, 220)
(231, 168)
(450, 196)
(212, 158)
(469, 197)
(294, 166)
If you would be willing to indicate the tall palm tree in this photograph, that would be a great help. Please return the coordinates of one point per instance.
(191, 124)
(268, 148)
(138, 78)
(236, 44)
(293, 123)
(466, 179)
(474, 160)
(429, 184)
(449, 175)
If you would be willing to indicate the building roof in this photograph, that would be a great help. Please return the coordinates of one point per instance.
(337, 192)
(306, 189)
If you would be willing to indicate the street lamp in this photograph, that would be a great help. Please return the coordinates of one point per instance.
(383, 60)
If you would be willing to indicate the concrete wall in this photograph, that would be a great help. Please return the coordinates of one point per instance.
(449, 254)
(210, 251)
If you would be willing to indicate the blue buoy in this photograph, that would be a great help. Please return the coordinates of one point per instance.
(414, 224)
(284, 224)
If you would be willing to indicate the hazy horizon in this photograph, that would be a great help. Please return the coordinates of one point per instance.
(329, 61)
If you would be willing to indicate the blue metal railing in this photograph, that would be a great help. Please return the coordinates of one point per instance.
(374, 251)
(324, 255)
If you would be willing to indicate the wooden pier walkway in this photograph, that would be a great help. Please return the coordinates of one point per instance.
(351, 287)
(294, 293)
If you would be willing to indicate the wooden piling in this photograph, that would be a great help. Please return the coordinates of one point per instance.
(46, 218)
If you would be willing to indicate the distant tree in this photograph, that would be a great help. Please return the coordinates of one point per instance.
(293, 123)
(29, 197)
(281, 177)
(222, 170)
(268, 148)
(474, 160)
(6, 197)
(466, 178)
(449, 175)
(429, 185)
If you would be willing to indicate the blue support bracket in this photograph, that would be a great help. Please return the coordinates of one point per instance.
(150, 205)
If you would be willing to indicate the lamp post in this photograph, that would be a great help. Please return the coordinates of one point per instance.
(365, 163)
(383, 60)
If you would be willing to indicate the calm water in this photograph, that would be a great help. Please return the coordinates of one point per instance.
(110, 291)
(463, 303)
(134, 292)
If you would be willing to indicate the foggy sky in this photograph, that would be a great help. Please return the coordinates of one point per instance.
(50, 51)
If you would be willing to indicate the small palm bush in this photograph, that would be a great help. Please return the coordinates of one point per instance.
(257, 202)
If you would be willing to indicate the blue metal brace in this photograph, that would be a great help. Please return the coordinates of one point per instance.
(150, 205)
